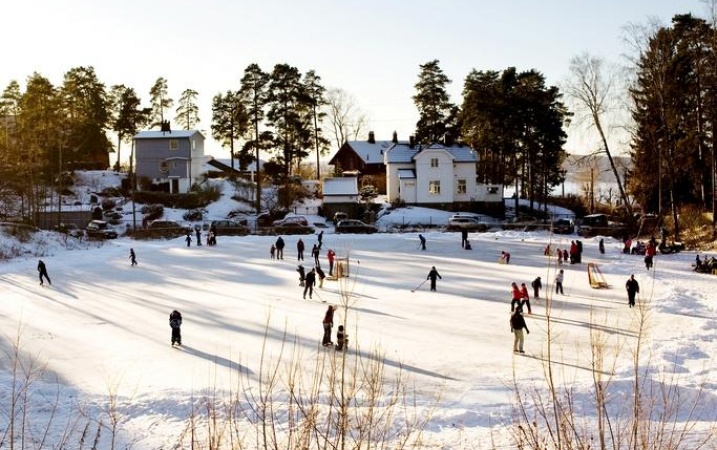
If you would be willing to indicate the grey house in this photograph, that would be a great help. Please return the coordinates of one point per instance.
(174, 158)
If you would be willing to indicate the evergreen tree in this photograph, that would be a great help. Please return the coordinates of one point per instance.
(160, 101)
(187, 112)
(254, 95)
(316, 101)
(127, 115)
(433, 103)
(230, 122)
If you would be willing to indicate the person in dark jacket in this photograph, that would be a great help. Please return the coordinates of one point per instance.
(132, 257)
(309, 282)
(198, 231)
(321, 275)
(517, 323)
(175, 322)
(320, 237)
(315, 254)
(601, 246)
(302, 274)
(328, 323)
(43, 273)
(464, 238)
(300, 250)
(280, 248)
(423, 241)
(189, 240)
(342, 339)
(537, 285)
(632, 288)
(432, 275)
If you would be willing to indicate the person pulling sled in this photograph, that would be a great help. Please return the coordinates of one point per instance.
(175, 322)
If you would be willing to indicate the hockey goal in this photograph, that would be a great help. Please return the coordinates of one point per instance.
(596, 278)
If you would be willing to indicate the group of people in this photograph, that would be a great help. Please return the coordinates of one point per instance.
(342, 339)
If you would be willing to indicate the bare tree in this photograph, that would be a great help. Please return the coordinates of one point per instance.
(345, 117)
(592, 86)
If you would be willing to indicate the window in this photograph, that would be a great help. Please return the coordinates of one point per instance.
(492, 189)
(434, 162)
(461, 189)
(434, 187)
(173, 144)
(163, 166)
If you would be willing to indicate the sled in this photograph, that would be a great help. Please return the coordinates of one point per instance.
(596, 278)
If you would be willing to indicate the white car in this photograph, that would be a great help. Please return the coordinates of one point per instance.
(469, 223)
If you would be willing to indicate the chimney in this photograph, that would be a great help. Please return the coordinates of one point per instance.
(395, 138)
(447, 139)
(165, 126)
(371, 138)
(411, 141)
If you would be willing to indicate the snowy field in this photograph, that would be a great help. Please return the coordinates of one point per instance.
(101, 330)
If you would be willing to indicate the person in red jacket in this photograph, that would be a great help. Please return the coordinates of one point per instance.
(516, 295)
(650, 252)
(330, 255)
(525, 298)
(573, 252)
(328, 323)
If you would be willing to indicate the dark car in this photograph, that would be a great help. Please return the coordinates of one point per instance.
(266, 219)
(99, 229)
(70, 229)
(229, 228)
(354, 226)
(293, 228)
(339, 216)
(167, 229)
(564, 226)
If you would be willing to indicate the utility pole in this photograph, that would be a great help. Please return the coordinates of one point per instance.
(59, 193)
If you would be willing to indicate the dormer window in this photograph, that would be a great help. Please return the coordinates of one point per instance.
(434, 162)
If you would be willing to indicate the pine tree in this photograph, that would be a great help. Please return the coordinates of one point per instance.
(187, 112)
(316, 101)
(230, 122)
(128, 116)
(432, 102)
(160, 101)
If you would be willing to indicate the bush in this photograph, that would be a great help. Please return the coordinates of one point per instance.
(152, 212)
(194, 215)
(108, 204)
(183, 201)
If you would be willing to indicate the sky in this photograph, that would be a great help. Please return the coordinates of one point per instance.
(100, 333)
(371, 49)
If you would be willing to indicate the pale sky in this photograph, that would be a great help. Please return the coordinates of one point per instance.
(371, 49)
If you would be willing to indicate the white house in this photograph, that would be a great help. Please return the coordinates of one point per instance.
(340, 190)
(437, 173)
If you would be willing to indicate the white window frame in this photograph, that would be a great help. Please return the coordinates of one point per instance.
(434, 187)
(434, 162)
(174, 144)
(462, 187)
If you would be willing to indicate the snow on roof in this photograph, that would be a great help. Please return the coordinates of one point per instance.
(250, 167)
(370, 153)
(175, 134)
(402, 153)
(406, 174)
(340, 186)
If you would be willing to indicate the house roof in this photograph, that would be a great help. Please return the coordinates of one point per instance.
(368, 152)
(340, 186)
(404, 174)
(402, 153)
(175, 134)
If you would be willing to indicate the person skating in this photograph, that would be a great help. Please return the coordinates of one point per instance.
(321, 275)
(601, 246)
(280, 248)
(559, 282)
(43, 273)
(272, 251)
(132, 257)
(328, 323)
(504, 258)
(573, 252)
(516, 297)
(537, 285)
(320, 237)
(632, 288)
(565, 255)
(525, 298)
(464, 238)
(423, 241)
(560, 257)
(199, 236)
(432, 275)
(517, 323)
(188, 239)
(342, 339)
(315, 254)
(175, 322)
(650, 253)
(302, 274)
(300, 250)
(330, 255)
(468, 245)
(309, 282)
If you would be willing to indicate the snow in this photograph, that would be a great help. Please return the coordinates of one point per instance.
(101, 330)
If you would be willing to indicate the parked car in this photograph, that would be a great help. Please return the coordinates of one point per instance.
(594, 224)
(354, 226)
(266, 219)
(229, 228)
(167, 228)
(99, 229)
(292, 219)
(469, 223)
(564, 226)
(293, 228)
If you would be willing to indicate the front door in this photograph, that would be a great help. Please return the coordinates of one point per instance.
(174, 187)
